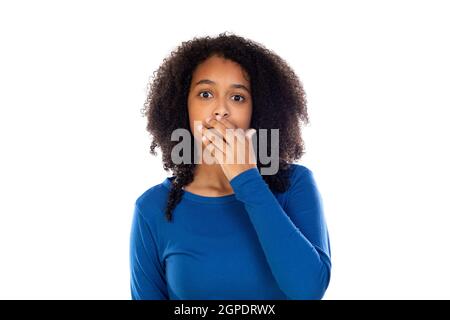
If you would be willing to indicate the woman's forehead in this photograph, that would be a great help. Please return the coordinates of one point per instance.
(220, 70)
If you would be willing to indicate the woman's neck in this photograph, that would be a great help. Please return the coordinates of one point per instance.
(209, 180)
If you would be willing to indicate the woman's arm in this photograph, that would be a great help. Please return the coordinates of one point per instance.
(295, 241)
(147, 279)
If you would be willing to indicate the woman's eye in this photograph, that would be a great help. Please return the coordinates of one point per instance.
(238, 98)
(204, 94)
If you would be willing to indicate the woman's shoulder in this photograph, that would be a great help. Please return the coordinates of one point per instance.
(300, 173)
(153, 199)
(303, 186)
(301, 177)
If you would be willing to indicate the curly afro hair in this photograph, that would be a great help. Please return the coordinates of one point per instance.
(279, 102)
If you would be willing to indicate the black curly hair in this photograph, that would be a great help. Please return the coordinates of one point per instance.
(279, 102)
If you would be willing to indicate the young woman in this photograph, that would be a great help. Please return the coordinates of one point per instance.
(224, 230)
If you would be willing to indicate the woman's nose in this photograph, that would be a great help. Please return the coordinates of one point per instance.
(221, 110)
(221, 114)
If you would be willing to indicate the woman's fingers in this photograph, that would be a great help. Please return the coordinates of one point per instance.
(249, 133)
(215, 147)
(225, 122)
(224, 127)
(213, 141)
(219, 145)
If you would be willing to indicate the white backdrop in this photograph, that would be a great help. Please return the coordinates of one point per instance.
(74, 150)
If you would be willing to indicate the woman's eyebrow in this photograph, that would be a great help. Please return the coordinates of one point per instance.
(234, 85)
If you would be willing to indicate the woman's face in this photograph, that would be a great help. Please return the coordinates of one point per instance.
(220, 87)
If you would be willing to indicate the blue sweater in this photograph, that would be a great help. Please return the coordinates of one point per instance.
(253, 244)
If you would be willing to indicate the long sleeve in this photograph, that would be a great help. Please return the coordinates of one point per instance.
(295, 242)
(147, 279)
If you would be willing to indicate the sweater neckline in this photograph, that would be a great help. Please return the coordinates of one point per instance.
(198, 198)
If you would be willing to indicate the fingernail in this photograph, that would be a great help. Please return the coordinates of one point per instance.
(199, 127)
(250, 132)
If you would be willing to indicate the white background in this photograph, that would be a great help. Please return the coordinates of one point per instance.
(74, 150)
